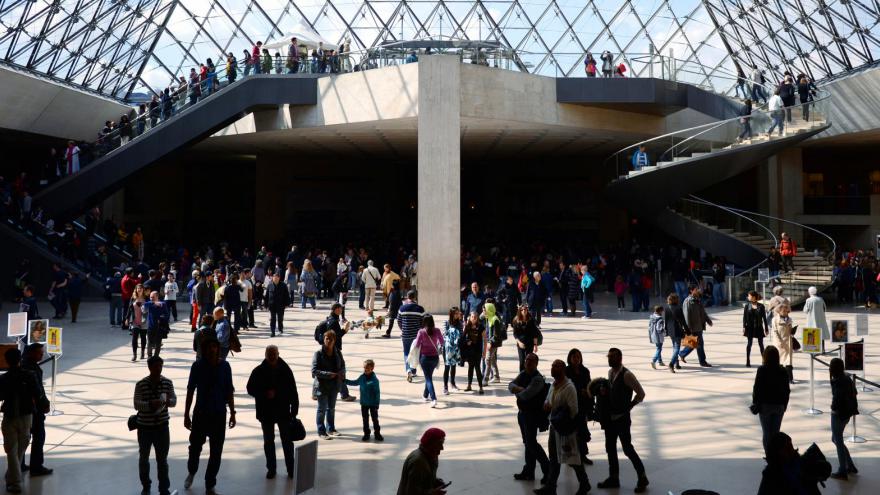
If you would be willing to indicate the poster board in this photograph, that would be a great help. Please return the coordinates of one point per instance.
(861, 324)
(53, 343)
(812, 340)
(854, 356)
(764, 275)
(38, 331)
(305, 466)
(839, 331)
(17, 325)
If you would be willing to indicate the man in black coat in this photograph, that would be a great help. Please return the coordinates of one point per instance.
(33, 354)
(273, 388)
(277, 298)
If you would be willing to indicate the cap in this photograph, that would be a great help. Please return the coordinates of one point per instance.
(432, 434)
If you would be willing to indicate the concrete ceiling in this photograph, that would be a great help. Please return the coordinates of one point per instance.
(481, 139)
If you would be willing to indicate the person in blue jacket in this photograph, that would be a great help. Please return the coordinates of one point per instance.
(640, 158)
(369, 385)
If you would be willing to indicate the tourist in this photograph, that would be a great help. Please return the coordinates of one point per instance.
(640, 158)
(788, 249)
(33, 354)
(745, 120)
(204, 294)
(222, 331)
(171, 291)
(232, 301)
(777, 300)
(562, 405)
(273, 387)
(212, 378)
(531, 389)
(277, 299)
(157, 323)
(419, 475)
(586, 286)
(774, 263)
(526, 334)
(113, 294)
(371, 280)
(614, 405)
(58, 291)
(328, 371)
(815, 307)
(74, 294)
(781, 331)
(395, 301)
(607, 63)
(580, 377)
(368, 383)
(844, 405)
(429, 341)
(590, 65)
(205, 331)
(620, 292)
(231, 68)
(153, 395)
(292, 56)
(19, 391)
(290, 279)
(388, 279)
(255, 57)
(740, 82)
(757, 80)
(410, 316)
(452, 333)
(777, 113)
(536, 295)
(770, 394)
(136, 324)
(656, 333)
(248, 63)
(696, 319)
(510, 299)
(755, 325)
(495, 335)
(474, 301)
(573, 292)
(788, 93)
(806, 90)
(472, 349)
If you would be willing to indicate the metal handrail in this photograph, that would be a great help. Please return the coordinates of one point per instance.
(698, 200)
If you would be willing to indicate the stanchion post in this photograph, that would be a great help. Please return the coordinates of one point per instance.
(812, 411)
(855, 438)
(54, 411)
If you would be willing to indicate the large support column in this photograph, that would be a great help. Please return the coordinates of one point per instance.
(439, 189)
(786, 189)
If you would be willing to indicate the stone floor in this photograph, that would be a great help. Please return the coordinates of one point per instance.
(693, 431)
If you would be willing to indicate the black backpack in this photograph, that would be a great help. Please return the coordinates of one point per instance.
(321, 329)
(815, 467)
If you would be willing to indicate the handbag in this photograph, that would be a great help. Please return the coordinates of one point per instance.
(415, 351)
(297, 430)
(690, 341)
(133, 422)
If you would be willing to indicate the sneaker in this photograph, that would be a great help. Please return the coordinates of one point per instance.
(426, 400)
(334, 433)
(188, 482)
(433, 404)
(365, 438)
(672, 368)
(681, 358)
(653, 365)
(468, 389)
(386, 336)
(840, 476)
(40, 471)
(409, 376)
(480, 392)
(497, 379)
(270, 475)
(641, 485)
(445, 391)
(379, 437)
(349, 398)
(705, 365)
(677, 366)
(323, 435)
(524, 477)
(454, 387)
(609, 483)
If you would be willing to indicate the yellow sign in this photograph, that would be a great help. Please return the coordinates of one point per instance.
(812, 340)
(53, 343)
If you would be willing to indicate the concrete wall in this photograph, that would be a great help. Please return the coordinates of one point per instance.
(855, 103)
(41, 106)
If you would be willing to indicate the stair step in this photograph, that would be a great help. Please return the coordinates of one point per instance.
(726, 231)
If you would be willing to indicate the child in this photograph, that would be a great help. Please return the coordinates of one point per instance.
(620, 290)
(656, 332)
(369, 385)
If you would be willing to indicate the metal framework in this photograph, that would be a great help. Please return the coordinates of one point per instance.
(122, 47)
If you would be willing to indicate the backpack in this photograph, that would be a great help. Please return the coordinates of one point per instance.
(321, 329)
(234, 343)
(816, 468)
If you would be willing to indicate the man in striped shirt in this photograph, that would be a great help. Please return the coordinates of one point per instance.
(410, 318)
(153, 396)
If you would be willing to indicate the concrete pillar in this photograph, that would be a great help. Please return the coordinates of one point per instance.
(785, 180)
(269, 209)
(439, 182)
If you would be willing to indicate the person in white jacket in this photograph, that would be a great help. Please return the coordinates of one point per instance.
(776, 106)
(814, 307)
(371, 279)
(171, 290)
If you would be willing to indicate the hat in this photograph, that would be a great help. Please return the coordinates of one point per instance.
(32, 347)
(432, 434)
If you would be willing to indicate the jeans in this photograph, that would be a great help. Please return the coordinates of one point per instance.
(676, 348)
(326, 409)
(276, 317)
(522, 353)
(234, 315)
(620, 428)
(268, 427)
(115, 310)
(210, 426)
(407, 343)
(701, 352)
(472, 365)
(657, 357)
(157, 438)
(138, 334)
(588, 310)
(490, 364)
(718, 293)
(16, 433)
(536, 310)
(533, 451)
(154, 342)
(368, 412)
(777, 122)
(247, 69)
(306, 299)
(758, 93)
(429, 363)
(845, 462)
(38, 440)
(636, 299)
(746, 129)
(771, 423)
(548, 305)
